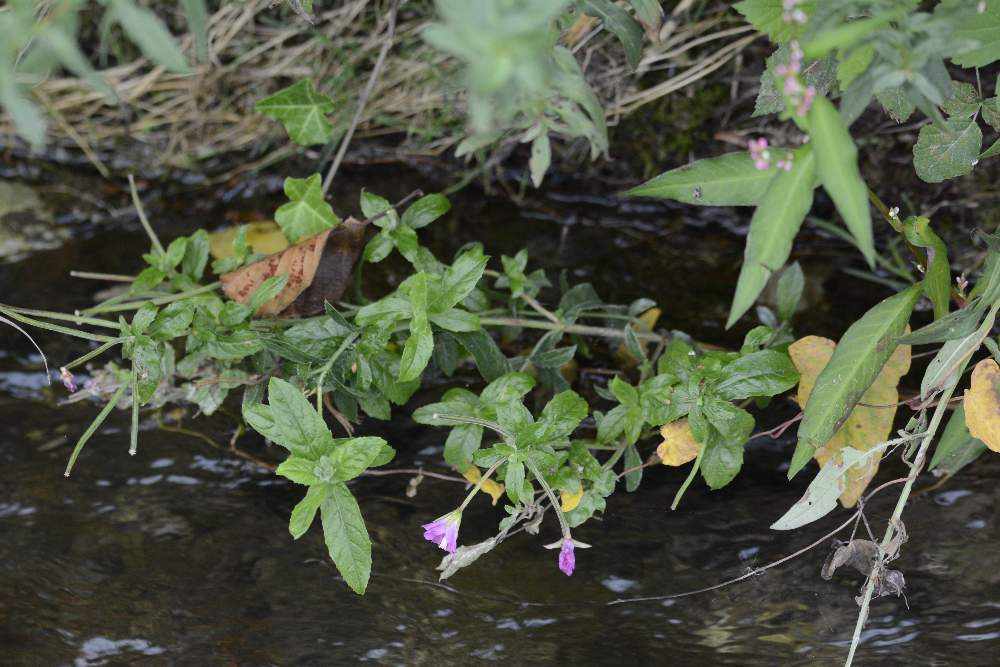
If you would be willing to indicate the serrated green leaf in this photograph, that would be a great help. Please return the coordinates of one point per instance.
(837, 167)
(773, 228)
(288, 420)
(858, 359)
(346, 537)
(767, 16)
(302, 111)
(947, 152)
(307, 213)
(763, 373)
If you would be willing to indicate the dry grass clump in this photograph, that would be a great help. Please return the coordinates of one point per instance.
(256, 48)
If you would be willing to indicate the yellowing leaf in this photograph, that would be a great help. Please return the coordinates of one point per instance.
(265, 238)
(491, 488)
(678, 446)
(569, 501)
(982, 404)
(871, 421)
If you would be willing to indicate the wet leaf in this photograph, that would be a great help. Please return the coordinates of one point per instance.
(318, 269)
(854, 366)
(869, 423)
(678, 446)
(982, 404)
(264, 238)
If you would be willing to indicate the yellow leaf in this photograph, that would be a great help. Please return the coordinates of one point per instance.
(868, 424)
(678, 446)
(265, 238)
(645, 323)
(569, 501)
(982, 404)
(491, 488)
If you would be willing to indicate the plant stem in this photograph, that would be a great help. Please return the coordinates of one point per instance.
(350, 338)
(153, 238)
(96, 352)
(159, 301)
(66, 317)
(552, 497)
(94, 425)
(482, 480)
(915, 468)
(581, 329)
(134, 432)
(110, 277)
(55, 327)
(688, 479)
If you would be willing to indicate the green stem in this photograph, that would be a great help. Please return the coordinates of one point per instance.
(552, 497)
(915, 468)
(159, 301)
(110, 277)
(485, 423)
(94, 425)
(65, 317)
(482, 480)
(581, 329)
(153, 238)
(350, 338)
(55, 327)
(93, 353)
(134, 432)
(688, 480)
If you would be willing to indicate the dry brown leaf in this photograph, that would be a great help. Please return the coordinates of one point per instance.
(868, 424)
(982, 404)
(318, 269)
(264, 238)
(678, 446)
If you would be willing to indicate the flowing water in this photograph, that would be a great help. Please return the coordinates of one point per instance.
(181, 555)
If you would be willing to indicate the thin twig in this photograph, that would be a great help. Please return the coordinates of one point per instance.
(363, 100)
(153, 238)
(110, 277)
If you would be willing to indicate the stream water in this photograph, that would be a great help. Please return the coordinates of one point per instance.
(181, 555)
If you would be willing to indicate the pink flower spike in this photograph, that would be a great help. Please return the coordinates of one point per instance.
(67, 380)
(567, 559)
(443, 531)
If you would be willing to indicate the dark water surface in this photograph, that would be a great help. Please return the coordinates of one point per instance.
(181, 555)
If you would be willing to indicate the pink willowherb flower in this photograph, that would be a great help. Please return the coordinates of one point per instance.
(443, 531)
(791, 13)
(567, 559)
(67, 380)
(759, 154)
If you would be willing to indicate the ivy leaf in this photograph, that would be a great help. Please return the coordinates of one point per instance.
(837, 166)
(302, 111)
(618, 21)
(863, 350)
(773, 228)
(949, 151)
(307, 212)
(727, 180)
(346, 537)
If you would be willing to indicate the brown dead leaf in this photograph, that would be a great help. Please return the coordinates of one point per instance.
(982, 404)
(318, 269)
(868, 424)
(678, 446)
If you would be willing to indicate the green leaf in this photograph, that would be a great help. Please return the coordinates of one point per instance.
(267, 290)
(149, 34)
(239, 345)
(307, 212)
(147, 279)
(28, 119)
(949, 151)
(956, 448)
(298, 469)
(982, 28)
(554, 358)
(896, 103)
(346, 536)
(722, 430)
(173, 321)
(461, 445)
(837, 166)
(454, 319)
(854, 64)
(196, 256)
(425, 210)
(541, 157)
(64, 47)
(416, 353)
(561, 416)
(763, 373)
(633, 464)
(302, 111)
(773, 228)
(963, 102)
(304, 512)
(991, 151)
(958, 324)
(821, 497)
(288, 420)
(766, 16)
(820, 74)
(352, 456)
(196, 14)
(948, 364)
(618, 21)
(789, 291)
(459, 279)
(727, 180)
(858, 359)
(147, 356)
(845, 35)
(489, 358)
(937, 275)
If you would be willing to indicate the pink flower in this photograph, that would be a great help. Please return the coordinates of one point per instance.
(443, 531)
(67, 380)
(567, 559)
(806, 102)
(759, 154)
